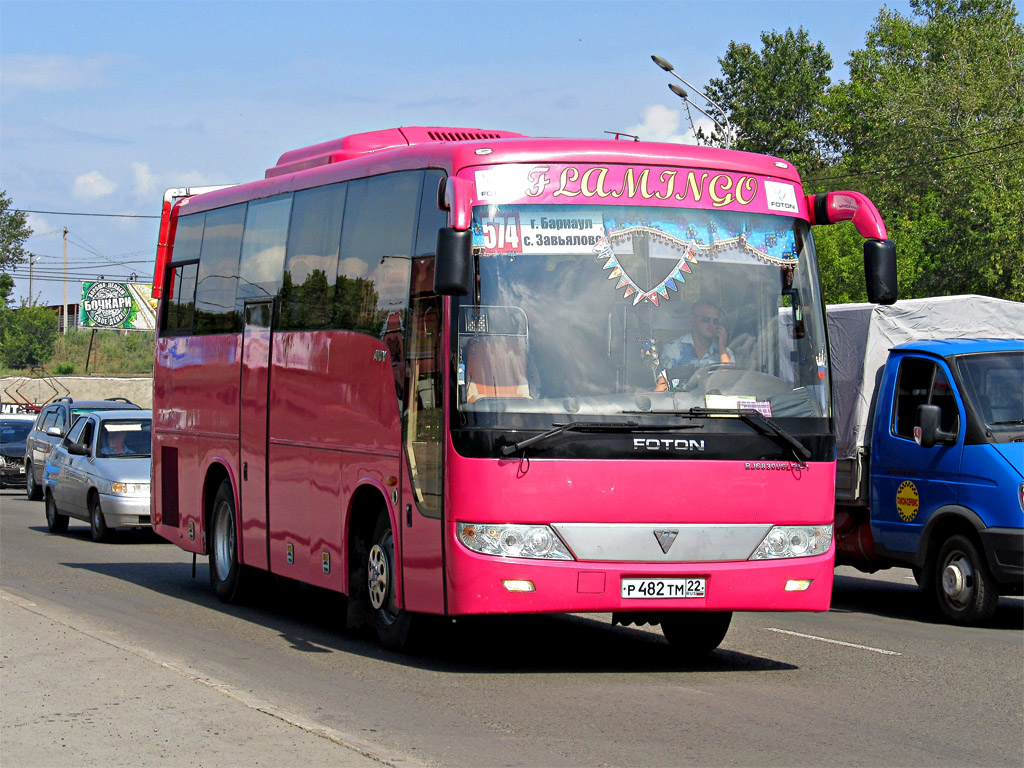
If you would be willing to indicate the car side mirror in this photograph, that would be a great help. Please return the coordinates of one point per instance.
(78, 449)
(54, 432)
(927, 432)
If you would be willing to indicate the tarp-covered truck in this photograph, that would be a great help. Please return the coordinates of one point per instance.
(929, 409)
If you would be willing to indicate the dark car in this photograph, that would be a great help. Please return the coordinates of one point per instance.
(53, 422)
(14, 429)
(100, 472)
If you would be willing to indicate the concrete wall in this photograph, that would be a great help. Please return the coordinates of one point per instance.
(17, 390)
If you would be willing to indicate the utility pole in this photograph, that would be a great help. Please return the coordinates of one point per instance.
(65, 281)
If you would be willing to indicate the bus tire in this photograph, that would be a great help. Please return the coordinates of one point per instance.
(693, 634)
(392, 624)
(55, 521)
(225, 570)
(962, 585)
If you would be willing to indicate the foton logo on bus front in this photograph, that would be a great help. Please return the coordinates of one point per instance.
(666, 444)
(642, 184)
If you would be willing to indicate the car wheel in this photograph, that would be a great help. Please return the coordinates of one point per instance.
(695, 633)
(55, 521)
(97, 522)
(963, 587)
(32, 489)
(225, 570)
(393, 625)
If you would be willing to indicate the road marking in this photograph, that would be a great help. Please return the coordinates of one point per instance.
(835, 642)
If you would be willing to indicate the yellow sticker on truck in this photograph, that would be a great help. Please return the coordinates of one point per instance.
(907, 501)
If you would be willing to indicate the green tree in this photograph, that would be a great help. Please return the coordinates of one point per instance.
(28, 335)
(14, 231)
(774, 97)
(931, 126)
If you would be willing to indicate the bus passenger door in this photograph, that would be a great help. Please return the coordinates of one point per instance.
(252, 432)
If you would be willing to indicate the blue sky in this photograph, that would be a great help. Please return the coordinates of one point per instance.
(103, 105)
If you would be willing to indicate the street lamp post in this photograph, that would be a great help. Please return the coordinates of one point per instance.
(682, 94)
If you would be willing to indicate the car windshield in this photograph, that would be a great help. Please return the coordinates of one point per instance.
(604, 310)
(15, 431)
(125, 438)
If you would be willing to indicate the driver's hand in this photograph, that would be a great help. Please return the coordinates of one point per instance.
(722, 337)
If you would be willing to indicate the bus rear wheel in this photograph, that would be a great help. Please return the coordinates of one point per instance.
(393, 625)
(225, 570)
(695, 633)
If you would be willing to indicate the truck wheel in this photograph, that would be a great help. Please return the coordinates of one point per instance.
(695, 634)
(963, 587)
(393, 624)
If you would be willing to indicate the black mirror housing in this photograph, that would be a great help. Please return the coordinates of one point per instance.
(453, 266)
(880, 271)
(78, 449)
(927, 431)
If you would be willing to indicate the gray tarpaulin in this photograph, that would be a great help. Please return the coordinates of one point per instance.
(861, 335)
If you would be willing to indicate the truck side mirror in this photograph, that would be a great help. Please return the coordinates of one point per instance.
(453, 265)
(880, 271)
(926, 431)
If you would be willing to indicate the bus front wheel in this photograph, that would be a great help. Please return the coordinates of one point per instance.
(392, 624)
(695, 633)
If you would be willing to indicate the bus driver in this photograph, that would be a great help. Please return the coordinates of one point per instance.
(704, 344)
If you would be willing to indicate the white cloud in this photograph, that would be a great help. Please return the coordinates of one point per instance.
(92, 185)
(661, 124)
(54, 73)
(145, 181)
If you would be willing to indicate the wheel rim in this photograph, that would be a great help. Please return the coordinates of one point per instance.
(958, 580)
(378, 575)
(51, 511)
(30, 483)
(223, 541)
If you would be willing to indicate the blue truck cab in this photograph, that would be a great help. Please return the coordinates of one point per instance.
(947, 470)
(928, 403)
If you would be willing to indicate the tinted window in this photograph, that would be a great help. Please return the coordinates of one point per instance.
(75, 435)
(263, 248)
(923, 382)
(431, 218)
(376, 253)
(180, 298)
(312, 258)
(188, 237)
(218, 270)
(15, 431)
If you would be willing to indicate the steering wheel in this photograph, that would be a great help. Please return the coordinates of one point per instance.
(704, 371)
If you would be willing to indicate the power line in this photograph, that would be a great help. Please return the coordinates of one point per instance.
(73, 213)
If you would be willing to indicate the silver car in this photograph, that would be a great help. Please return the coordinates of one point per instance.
(100, 472)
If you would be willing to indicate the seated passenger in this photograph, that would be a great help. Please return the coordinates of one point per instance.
(496, 367)
(704, 344)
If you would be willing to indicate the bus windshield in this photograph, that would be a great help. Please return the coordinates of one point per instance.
(605, 310)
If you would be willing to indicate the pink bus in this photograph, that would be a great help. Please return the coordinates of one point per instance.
(451, 371)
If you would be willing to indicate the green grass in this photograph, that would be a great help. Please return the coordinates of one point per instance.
(114, 353)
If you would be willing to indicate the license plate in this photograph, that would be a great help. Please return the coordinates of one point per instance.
(653, 589)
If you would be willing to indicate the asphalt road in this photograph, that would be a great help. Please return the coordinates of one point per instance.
(877, 681)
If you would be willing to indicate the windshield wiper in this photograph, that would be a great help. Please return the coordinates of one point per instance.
(755, 419)
(590, 426)
(1005, 423)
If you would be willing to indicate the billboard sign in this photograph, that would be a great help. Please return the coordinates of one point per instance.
(125, 306)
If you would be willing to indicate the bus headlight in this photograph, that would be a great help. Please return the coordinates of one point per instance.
(794, 541)
(534, 541)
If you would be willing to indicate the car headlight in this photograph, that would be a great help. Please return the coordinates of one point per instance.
(129, 489)
(3, 461)
(794, 541)
(507, 540)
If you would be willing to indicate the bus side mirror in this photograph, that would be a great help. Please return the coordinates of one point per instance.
(926, 431)
(880, 271)
(453, 266)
